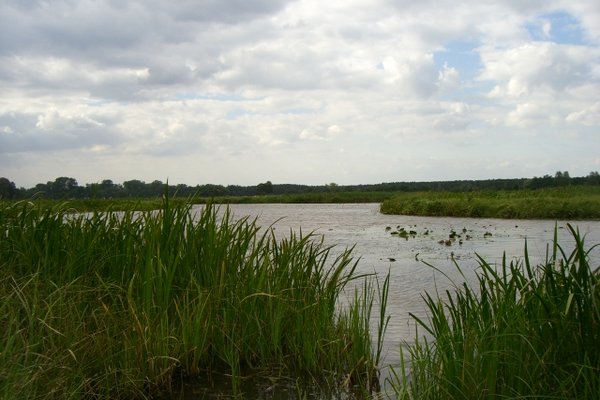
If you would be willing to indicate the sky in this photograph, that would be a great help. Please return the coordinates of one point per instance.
(238, 92)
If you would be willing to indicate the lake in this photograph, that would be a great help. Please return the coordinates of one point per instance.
(380, 250)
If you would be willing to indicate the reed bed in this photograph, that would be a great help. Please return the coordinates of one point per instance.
(523, 332)
(127, 305)
(577, 202)
(155, 203)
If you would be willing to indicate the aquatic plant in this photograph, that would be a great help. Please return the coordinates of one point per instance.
(523, 332)
(556, 203)
(127, 305)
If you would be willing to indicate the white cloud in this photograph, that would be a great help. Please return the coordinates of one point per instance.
(133, 88)
(448, 78)
(539, 64)
(589, 116)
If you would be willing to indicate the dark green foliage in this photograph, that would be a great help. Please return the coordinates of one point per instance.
(135, 188)
(8, 190)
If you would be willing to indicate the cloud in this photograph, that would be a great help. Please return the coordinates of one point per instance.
(448, 78)
(536, 65)
(272, 85)
(53, 130)
(224, 11)
(543, 83)
(589, 116)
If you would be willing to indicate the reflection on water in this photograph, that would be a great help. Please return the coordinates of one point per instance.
(383, 246)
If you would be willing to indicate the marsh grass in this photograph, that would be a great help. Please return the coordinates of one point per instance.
(153, 203)
(576, 202)
(522, 332)
(125, 305)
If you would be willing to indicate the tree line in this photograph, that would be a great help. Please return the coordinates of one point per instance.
(68, 188)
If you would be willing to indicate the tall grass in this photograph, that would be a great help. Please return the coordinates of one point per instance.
(524, 332)
(123, 305)
(145, 204)
(575, 202)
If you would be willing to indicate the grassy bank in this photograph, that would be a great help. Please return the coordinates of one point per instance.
(128, 305)
(308, 198)
(155, 203)
(569, 202)
(524, 332)
(576, 202)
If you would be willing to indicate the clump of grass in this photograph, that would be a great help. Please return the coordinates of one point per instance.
(123, 305)
(523, 332)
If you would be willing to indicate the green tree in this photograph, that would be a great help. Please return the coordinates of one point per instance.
(135, 188)
(593, 178)
(8, 189)
(156, 188)
(562, 178)
(264, 188)
(63, 187)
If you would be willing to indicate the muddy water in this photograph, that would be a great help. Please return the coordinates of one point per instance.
(380, 244)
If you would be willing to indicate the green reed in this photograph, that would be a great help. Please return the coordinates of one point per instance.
(524, 332)
(125, 305)
(556, 203)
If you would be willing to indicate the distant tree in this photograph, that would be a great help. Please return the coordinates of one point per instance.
(210, 190)
(333, 187)
(156, 188)
(8, 189)
(593, 178)
(41, 188)
(562, 178)
(134, 188)
(107, 189)
(63, 187)
(65, 183)
(237, 190)
(264, 188)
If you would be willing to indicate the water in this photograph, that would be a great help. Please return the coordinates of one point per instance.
(381, 251)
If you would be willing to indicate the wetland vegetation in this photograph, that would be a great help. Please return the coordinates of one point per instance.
(549, 197)
(523, 331)
(129, 305)
(565, 203)
(141, 295)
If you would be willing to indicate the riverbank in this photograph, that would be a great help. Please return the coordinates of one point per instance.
(155, 203)
(565, 203)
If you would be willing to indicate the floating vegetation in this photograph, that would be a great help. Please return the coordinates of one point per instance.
(453, 235)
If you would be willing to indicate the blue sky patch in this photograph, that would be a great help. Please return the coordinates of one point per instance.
(461, 55)
(558, 27)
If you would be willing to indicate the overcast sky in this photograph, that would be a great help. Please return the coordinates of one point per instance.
(307, 91)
